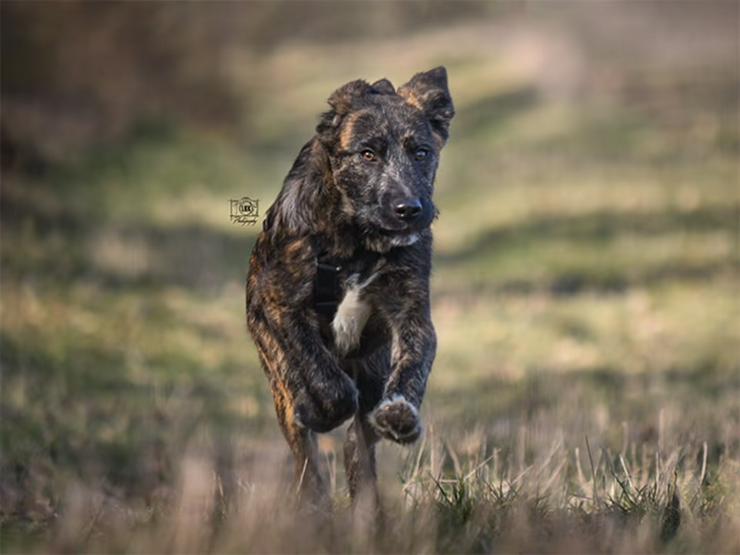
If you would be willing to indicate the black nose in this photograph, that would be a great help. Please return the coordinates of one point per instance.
(408, 209)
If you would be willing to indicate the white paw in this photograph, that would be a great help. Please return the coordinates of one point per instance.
(397, 419)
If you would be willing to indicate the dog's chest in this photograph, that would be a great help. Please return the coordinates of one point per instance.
(352, 315)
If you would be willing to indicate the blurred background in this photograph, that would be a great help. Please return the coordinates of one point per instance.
(586, 257)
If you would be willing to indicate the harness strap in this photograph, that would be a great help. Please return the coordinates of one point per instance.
(327, 289)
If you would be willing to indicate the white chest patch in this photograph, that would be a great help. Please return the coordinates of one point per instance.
(351, 317)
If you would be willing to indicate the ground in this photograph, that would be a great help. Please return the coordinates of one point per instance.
(586, 391)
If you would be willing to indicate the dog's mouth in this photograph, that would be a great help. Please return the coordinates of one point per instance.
(403, 237)
(402, 232)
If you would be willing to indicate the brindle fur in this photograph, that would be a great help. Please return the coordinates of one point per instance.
(335, 200)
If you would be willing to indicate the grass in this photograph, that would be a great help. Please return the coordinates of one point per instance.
(585, 392)
(584, 500)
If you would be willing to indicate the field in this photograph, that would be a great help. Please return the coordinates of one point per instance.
(586, 391)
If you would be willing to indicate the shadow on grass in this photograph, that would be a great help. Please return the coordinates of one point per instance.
(53, 223)
(64, 244)
(596, 232)
(489, 113)
(569, 397)
(79, 408)
(190, 256)
(599, 226)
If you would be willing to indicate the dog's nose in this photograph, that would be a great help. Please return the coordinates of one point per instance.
(408, 209)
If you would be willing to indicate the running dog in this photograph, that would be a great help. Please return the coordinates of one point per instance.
(338, 284)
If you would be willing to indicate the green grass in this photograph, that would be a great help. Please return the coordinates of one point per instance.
(585, 393)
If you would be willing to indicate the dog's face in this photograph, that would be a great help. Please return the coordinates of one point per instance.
(384, 146)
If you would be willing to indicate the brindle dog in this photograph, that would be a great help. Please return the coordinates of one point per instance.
(338, 285)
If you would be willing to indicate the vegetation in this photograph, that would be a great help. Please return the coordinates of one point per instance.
(586, 393)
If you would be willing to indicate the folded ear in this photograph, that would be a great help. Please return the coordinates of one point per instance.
(345, 97)
(383, 86)
(429, 93)
(342, 101)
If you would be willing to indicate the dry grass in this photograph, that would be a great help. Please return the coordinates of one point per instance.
(540, 498)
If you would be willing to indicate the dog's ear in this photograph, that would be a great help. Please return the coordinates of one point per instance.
(345, 98)
(429, 93)
(342, 101)
(382, 86)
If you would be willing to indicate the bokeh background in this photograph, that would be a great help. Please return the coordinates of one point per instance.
(586, 262)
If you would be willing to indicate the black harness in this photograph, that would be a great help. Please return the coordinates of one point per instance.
(327, 285)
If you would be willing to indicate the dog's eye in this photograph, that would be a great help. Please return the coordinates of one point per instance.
(369, 155)
(421, 154)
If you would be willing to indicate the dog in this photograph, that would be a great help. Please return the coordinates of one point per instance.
(337, 293)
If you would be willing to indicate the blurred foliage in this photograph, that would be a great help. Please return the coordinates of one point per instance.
(89, 71)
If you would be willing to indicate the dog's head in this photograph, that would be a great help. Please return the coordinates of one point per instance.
(383, 146)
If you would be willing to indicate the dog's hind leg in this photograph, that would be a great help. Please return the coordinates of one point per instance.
(359, 447)
(310, 477)
(359, 464)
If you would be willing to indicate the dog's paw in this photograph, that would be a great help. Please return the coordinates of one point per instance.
(397, 419)
(328, 407)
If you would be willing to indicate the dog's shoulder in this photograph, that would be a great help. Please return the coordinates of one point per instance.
(293, 214)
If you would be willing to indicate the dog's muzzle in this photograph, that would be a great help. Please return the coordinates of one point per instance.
(409, 214)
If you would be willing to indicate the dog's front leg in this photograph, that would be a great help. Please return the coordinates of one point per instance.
(414, 345)
(311, 392)
(323, 395)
